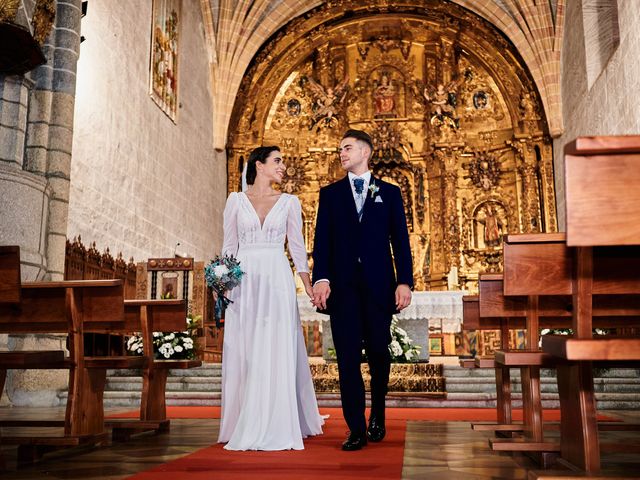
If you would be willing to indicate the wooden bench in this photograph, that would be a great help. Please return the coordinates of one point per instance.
(602, 187)
(67, 308)
(146, 317)
(495, 310)
(473, 321)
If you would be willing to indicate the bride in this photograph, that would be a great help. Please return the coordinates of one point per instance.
(268, 400)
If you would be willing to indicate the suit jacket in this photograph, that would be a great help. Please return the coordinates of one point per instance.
(342, 241)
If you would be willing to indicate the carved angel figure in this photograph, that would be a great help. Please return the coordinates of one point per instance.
(327, 103)
(443, 101)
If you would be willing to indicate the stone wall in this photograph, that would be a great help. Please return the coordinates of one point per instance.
(140, 183)
(612, 105)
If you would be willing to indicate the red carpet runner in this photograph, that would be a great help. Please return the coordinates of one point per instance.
(322, 459)
(434, 414)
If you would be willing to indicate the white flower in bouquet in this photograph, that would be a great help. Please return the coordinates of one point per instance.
(220, 270)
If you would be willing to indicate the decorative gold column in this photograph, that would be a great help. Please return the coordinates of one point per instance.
(527, 176)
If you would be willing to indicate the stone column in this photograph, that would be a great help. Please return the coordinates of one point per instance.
(36, 130)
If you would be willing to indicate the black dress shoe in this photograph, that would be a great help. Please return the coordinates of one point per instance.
(376, 430)
(354, 442)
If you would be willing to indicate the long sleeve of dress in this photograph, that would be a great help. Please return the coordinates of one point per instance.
(297, 248)
(230, 225)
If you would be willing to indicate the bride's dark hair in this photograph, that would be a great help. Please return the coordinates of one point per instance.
(259, 154)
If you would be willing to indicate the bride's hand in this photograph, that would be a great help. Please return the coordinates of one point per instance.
(309, 291)
(214, 294)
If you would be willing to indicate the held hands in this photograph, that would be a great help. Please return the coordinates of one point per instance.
(309, 291)
(403, 296)
(321, 292)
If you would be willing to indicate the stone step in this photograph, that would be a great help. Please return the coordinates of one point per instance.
(457, 371)
(451, 400)
(209, 384)
(206, 370)
(548, 384)
(466, 388)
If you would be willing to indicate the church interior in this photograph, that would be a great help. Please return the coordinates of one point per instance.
(511, 128)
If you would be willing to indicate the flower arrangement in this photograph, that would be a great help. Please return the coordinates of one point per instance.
(373, 188)
(170, 345)
(222, 274)
(401, 347)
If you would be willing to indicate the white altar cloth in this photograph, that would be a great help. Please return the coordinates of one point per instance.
(441, 309)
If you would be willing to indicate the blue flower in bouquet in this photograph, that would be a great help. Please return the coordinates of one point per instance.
(222, 274)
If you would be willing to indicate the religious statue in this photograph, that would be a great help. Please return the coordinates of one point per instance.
(327, 103)
(443, 102)
(491, 227)
(386, 142)
(527, 107)
(384, 97)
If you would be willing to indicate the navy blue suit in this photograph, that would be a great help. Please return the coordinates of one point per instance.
(356, 257)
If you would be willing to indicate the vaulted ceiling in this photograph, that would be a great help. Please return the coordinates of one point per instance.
(235, 30)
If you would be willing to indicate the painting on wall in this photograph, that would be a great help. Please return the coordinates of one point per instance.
(163, 76)
(436, 346)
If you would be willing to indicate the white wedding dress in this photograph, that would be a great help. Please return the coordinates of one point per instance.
(268, 400)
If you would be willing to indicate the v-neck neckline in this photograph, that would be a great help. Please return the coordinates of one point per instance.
(255, 212)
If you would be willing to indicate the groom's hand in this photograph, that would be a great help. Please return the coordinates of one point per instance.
(321, 292)
(403, 296)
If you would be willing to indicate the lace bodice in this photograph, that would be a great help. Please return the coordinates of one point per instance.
(242, 227)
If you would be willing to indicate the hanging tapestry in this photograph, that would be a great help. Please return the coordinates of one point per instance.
(164, 56)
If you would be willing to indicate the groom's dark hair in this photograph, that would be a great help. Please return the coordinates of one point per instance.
(359, 135)
(259, 154)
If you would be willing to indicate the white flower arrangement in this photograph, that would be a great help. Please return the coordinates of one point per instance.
(170, 345)
(401, 348)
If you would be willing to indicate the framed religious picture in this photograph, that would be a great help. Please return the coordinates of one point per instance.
(163, 75)
(436, 345)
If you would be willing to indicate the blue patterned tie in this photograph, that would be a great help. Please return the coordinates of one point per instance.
(358, 183)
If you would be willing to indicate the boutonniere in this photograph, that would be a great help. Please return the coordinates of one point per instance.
(373, 188)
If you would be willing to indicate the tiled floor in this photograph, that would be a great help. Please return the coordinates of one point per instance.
(433, 450)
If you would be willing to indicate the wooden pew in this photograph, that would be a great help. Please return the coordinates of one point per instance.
(602, 187)
(146, 317)
(547, 312)
(67, 308)
(542, 264)
(473, 321)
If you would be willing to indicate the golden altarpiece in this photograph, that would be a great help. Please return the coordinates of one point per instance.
(454, 114)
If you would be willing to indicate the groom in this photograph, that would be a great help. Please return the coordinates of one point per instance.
(360, 219)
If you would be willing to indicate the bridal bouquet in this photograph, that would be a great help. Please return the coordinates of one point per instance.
(222, 274)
